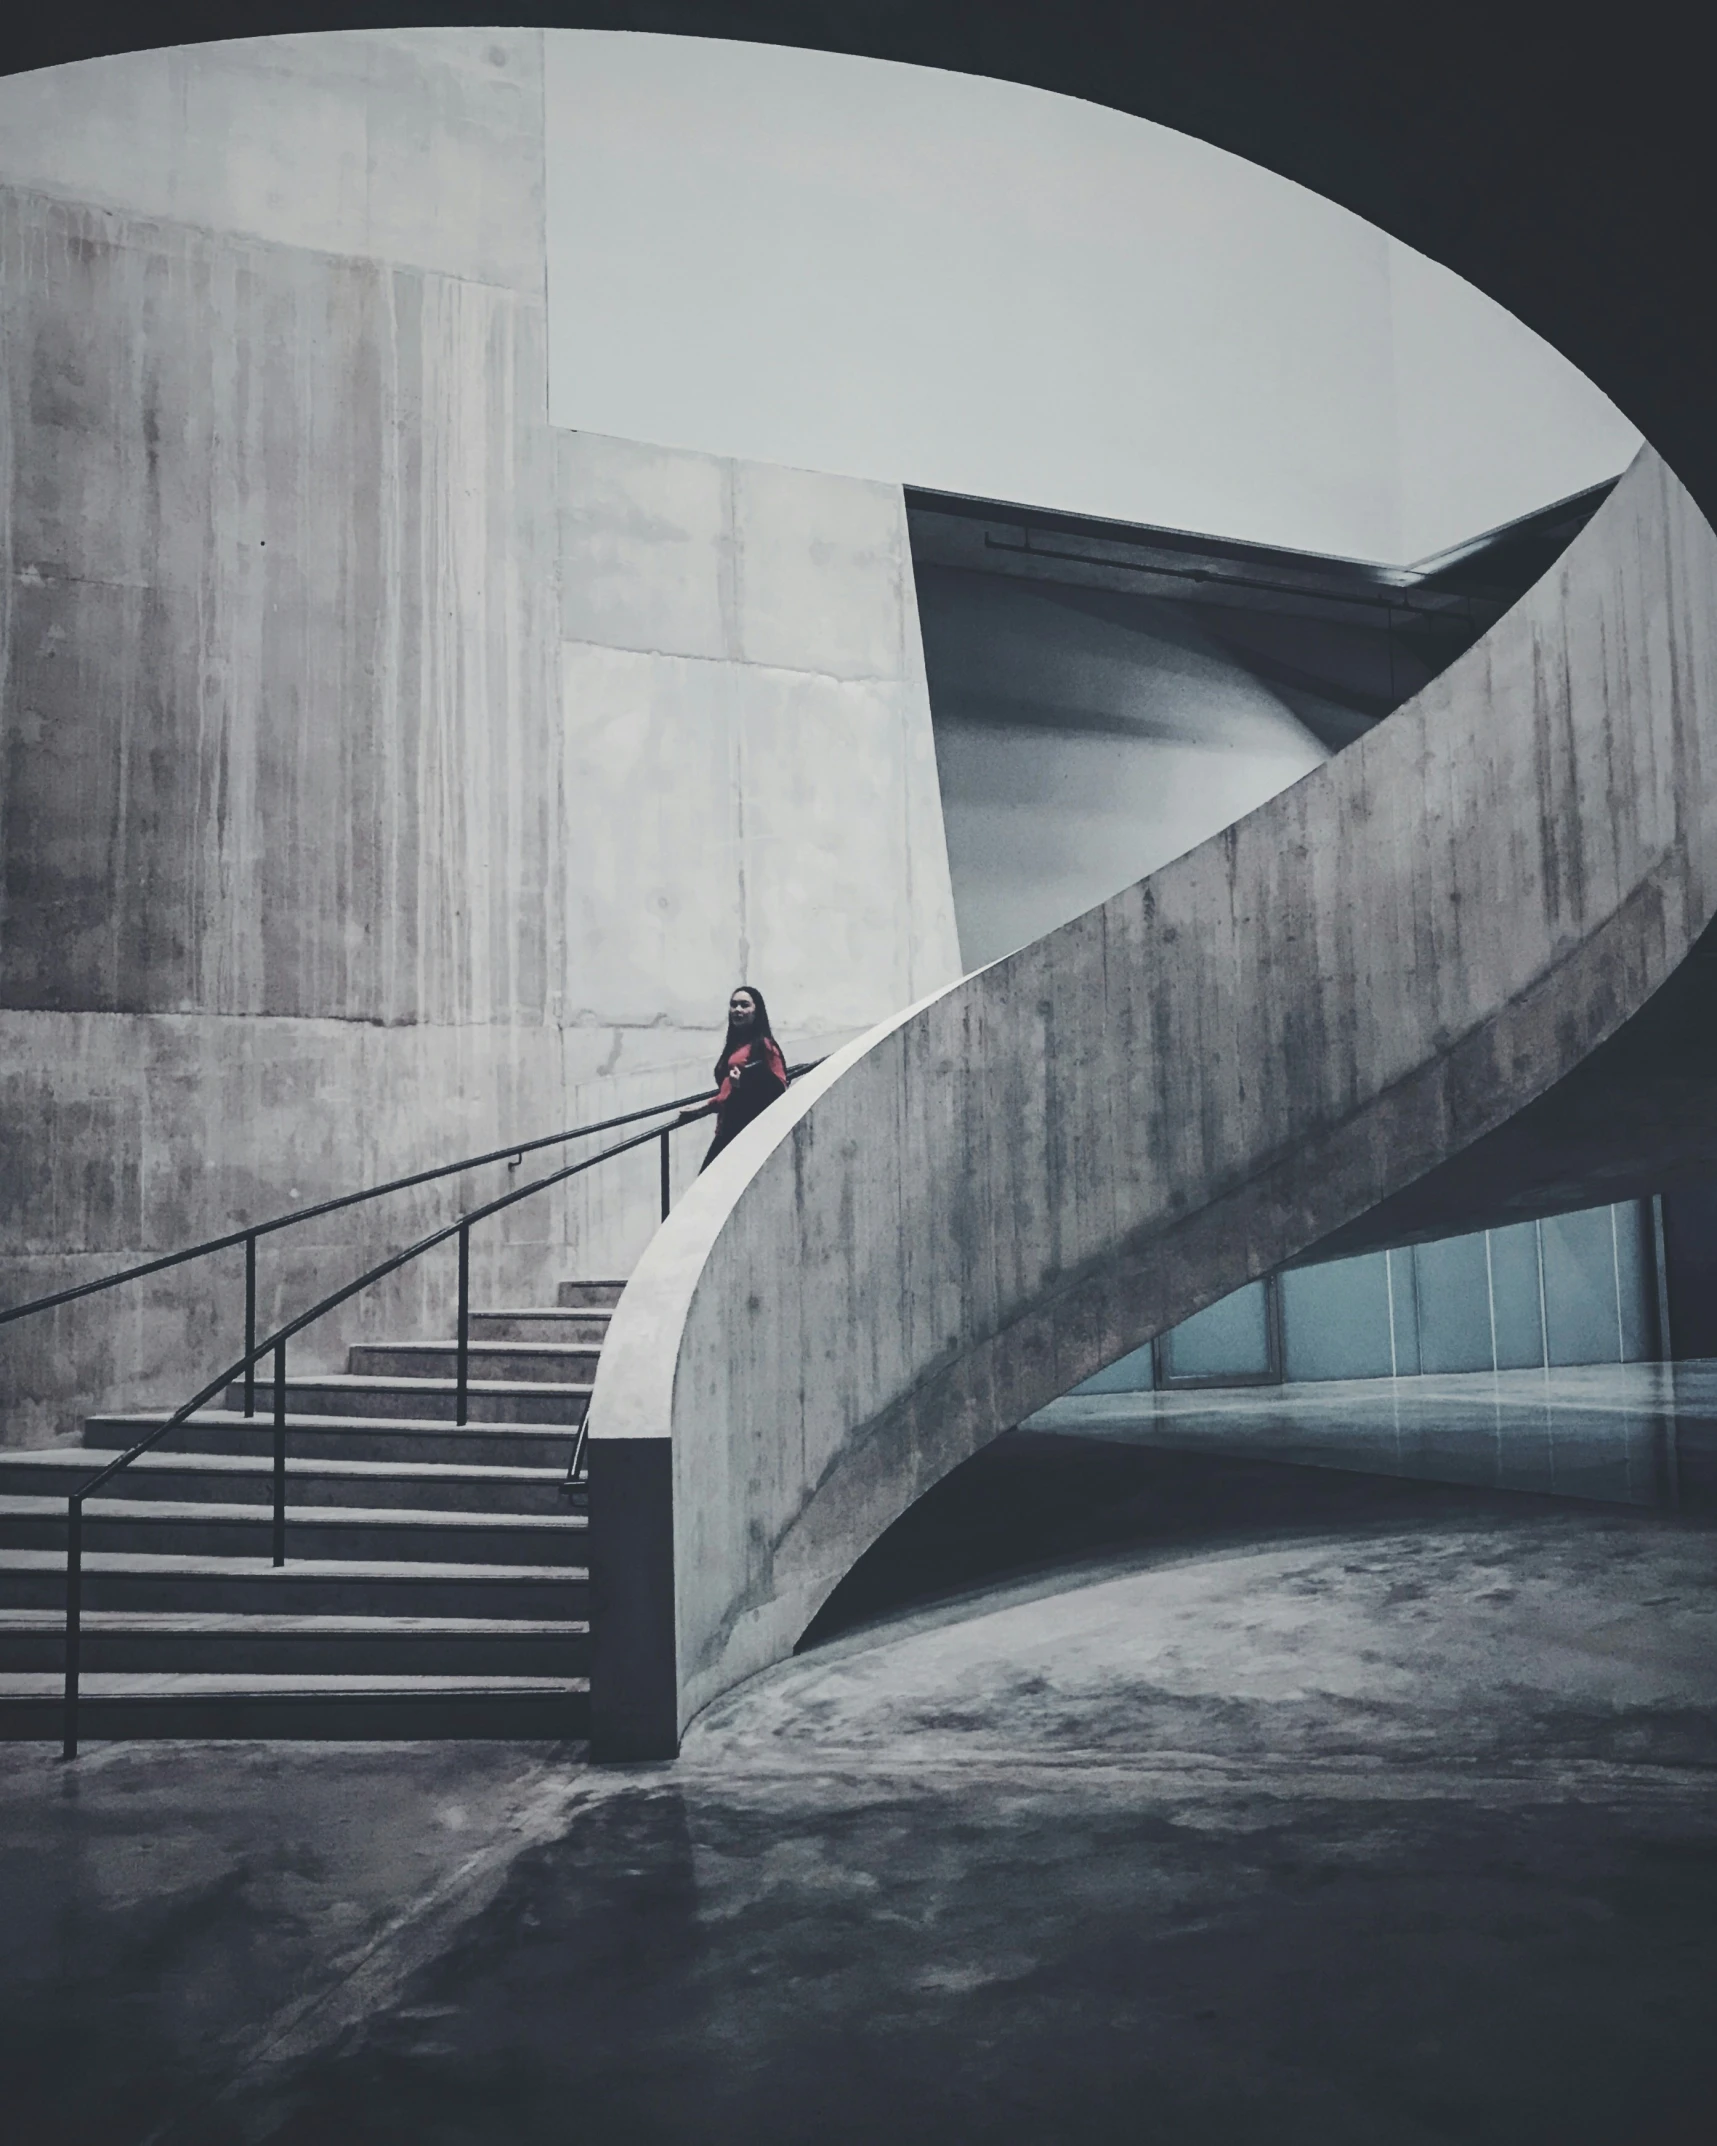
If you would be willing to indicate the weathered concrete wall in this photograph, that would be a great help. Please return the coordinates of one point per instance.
(751, 770)
(1040, 1168)
(422, 148)
(281, 863)
(366, 801)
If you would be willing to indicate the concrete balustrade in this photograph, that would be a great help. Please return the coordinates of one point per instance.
(991, 1196)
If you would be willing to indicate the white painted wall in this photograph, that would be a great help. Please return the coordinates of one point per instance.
(913, 276)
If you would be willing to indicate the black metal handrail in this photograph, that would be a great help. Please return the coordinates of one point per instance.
(691, 1108)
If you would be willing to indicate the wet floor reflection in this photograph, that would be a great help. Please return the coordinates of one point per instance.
(1631, 1434)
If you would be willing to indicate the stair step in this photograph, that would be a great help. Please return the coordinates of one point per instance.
(589, 1296)
(348, 1393)
(240, 1478)
(186, 1641)
(556, 1322)
(435, 1582)
(137, 1580)
(311, 1435)
(560, 1363)
(202, 1528)
(115, 1704)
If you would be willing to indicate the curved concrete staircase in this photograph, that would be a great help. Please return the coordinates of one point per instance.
(436, 1579)
(1302, 1026)
(1005, 1188)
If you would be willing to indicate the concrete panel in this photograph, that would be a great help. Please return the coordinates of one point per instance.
(275, 740)
(751, 767)
(70, 1181)
(998, 1192)
(646, 547)
(675, 553)
(824, 564)
(845, 875)
(740, 822)
(421, 147)
(655, 901)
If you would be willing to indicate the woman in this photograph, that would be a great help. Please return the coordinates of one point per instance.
(750, 1072)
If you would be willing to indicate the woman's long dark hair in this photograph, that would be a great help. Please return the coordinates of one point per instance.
(736, 1036)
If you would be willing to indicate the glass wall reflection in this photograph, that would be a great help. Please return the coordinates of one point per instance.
(1576, 1289)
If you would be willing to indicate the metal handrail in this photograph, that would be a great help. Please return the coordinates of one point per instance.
(275, 1344)
(248, 1236)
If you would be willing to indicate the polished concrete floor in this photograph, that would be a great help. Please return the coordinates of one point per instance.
(1637, 1434)
(1131, 1793)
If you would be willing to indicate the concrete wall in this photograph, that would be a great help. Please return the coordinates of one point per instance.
(367, 800)
(751, 772)
(995, 1195)
(281, 865)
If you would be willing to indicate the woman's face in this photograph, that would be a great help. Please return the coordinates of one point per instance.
(742, 1009)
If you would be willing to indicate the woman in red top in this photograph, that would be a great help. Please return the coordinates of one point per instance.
(751, 1071)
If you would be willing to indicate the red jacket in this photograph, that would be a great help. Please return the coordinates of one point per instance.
(741, 1058)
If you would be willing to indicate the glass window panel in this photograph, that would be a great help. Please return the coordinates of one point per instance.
(1637, 1279)
(1335, 1320)
(1515, 1297)
(1454, 1304)
(1580, 1288)
(1230, 1339)
(1403, 1310)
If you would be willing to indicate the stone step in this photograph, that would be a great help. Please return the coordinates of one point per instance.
(551, 1363)
(589, 1296)
(248, 1479)
(201, 1528)
(400, 1440)
(553, 1322)
(330, 1708)
(182, 1642)
(326, 1587)
(345, 1393)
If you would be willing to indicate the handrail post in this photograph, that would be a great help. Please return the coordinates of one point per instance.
(280, 1452)
(665, 1197)
(74, 1620)
(462, 1361)
(250, 1324)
